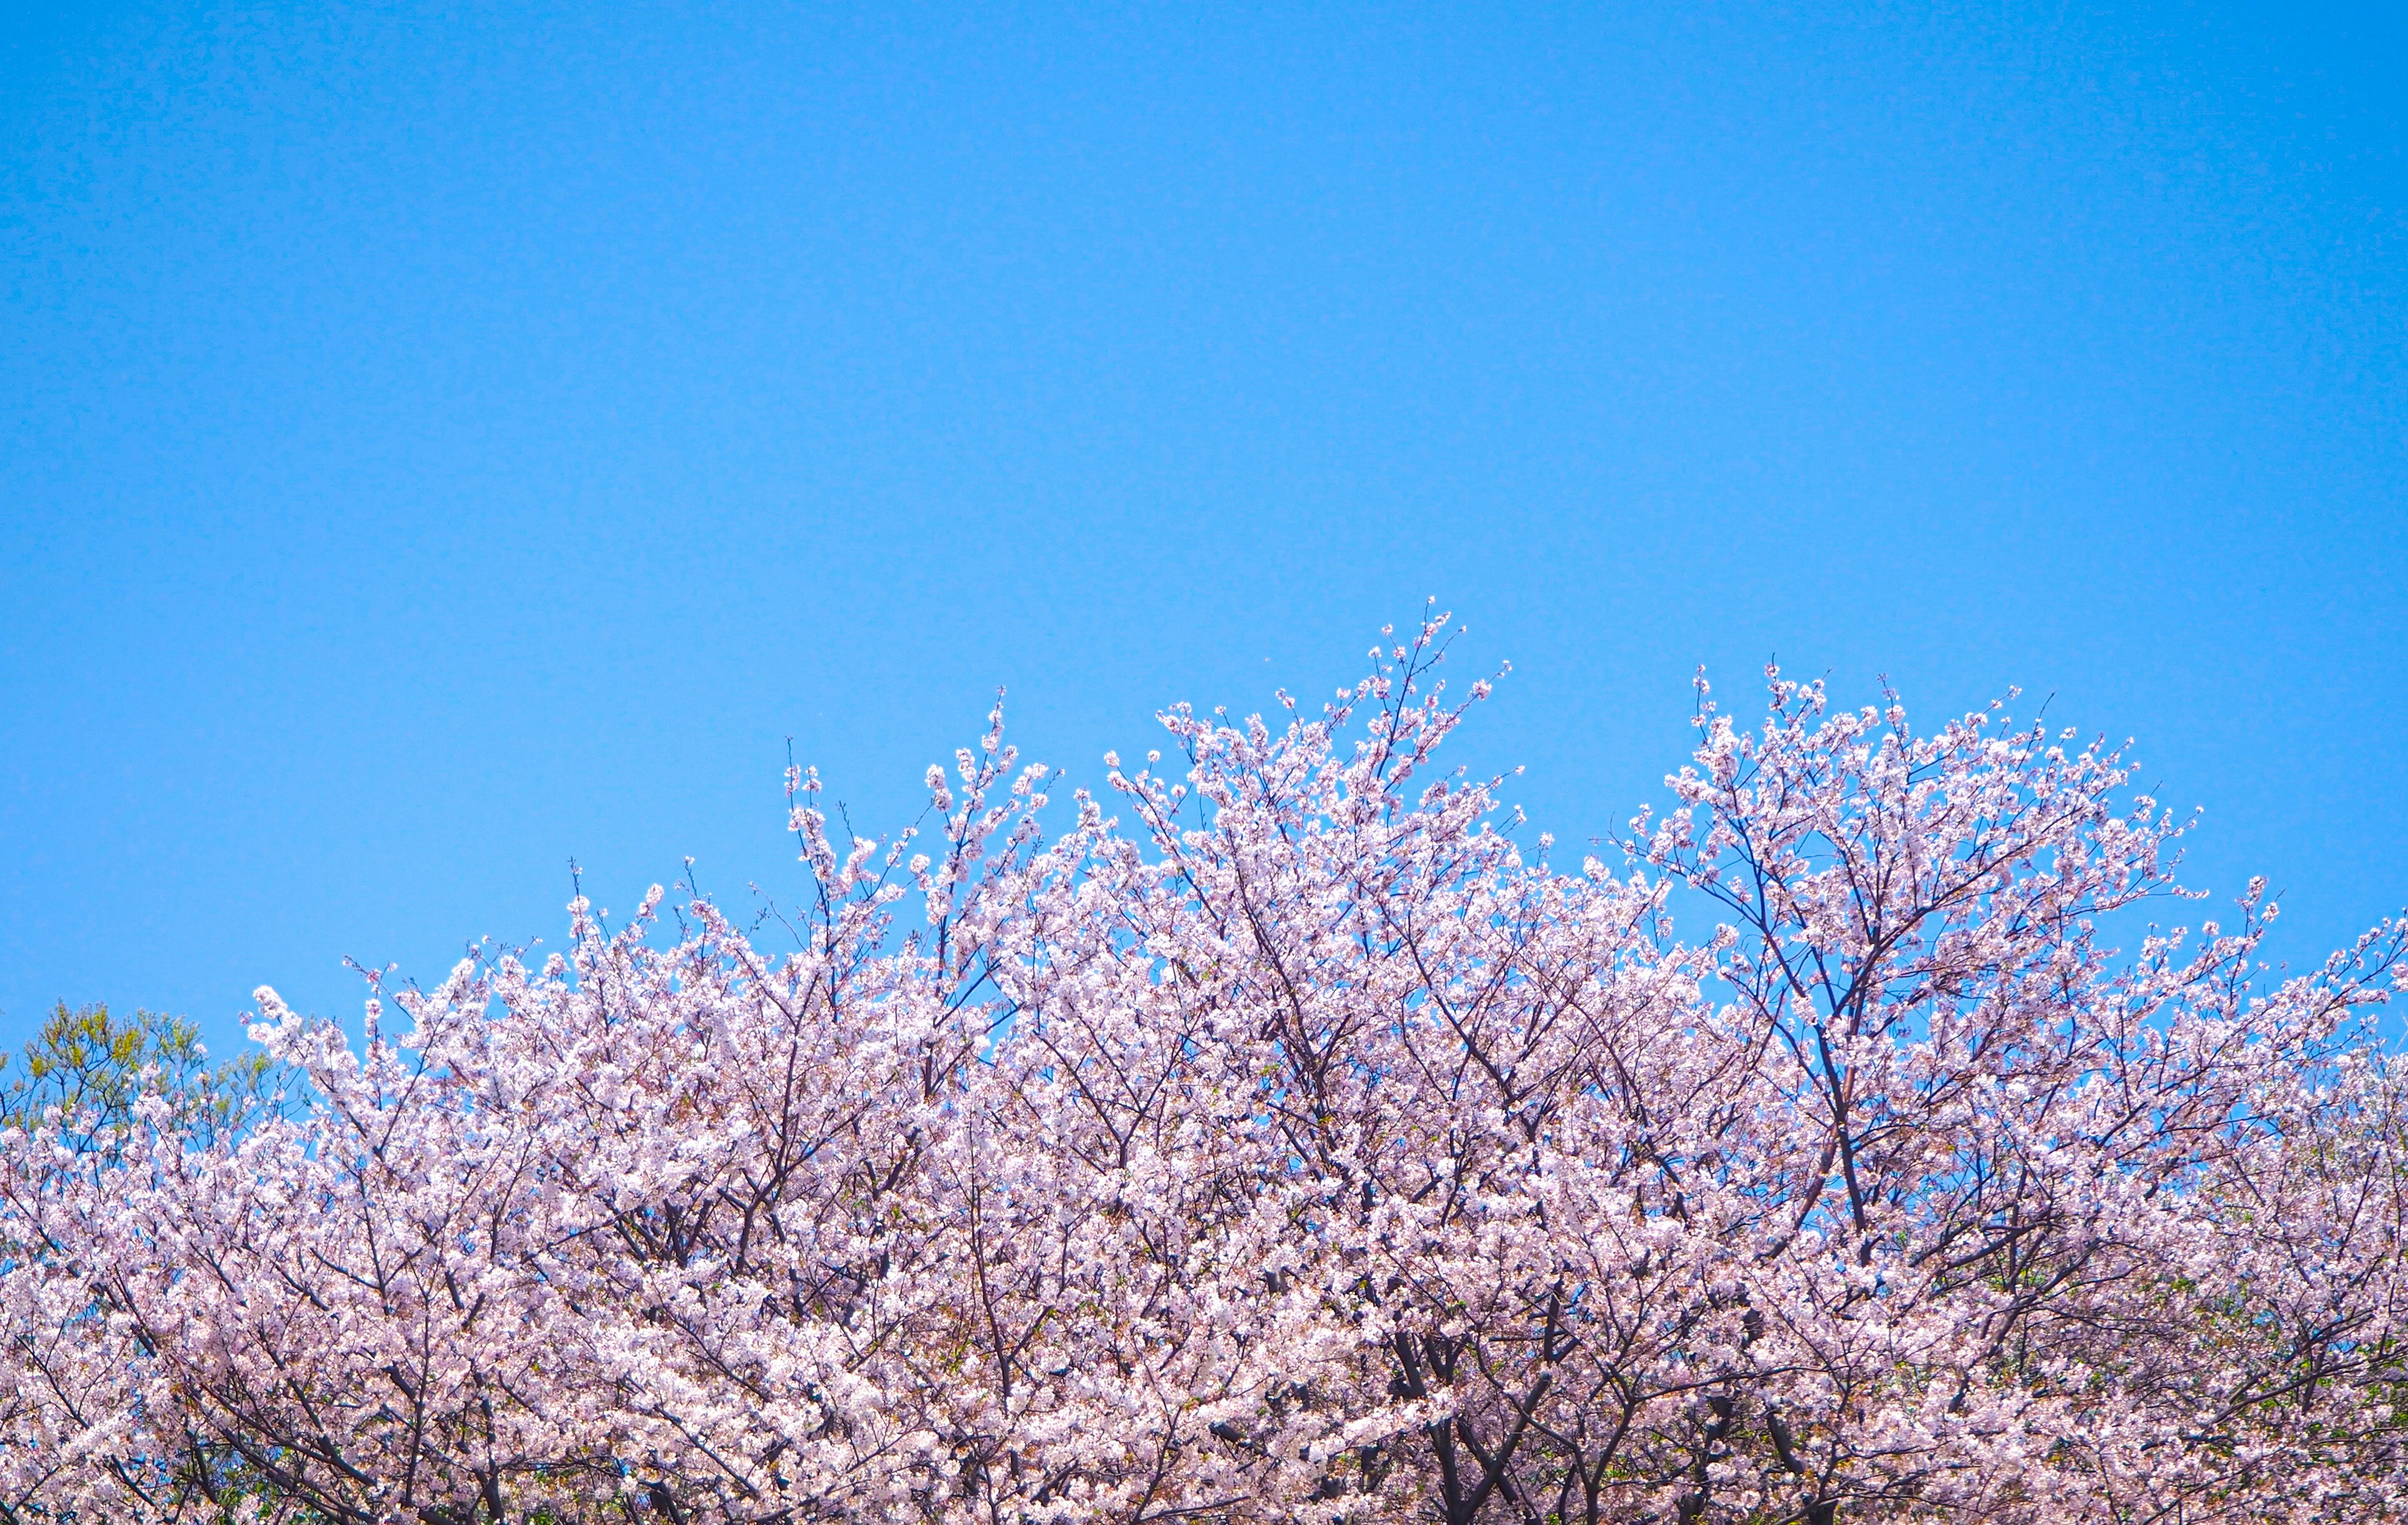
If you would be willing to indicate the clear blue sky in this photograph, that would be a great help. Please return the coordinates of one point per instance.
(443, 442)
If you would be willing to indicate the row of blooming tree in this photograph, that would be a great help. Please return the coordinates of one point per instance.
(1278, 1140)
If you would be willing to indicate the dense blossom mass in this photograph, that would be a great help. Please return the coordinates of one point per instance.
(1282, 1139)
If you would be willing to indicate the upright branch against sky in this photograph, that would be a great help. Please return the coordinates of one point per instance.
(1279, 1140)
(2013, 1245)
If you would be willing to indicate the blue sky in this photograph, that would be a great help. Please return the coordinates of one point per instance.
(439, 442)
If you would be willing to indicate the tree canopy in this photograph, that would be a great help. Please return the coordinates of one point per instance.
(1286, 1137)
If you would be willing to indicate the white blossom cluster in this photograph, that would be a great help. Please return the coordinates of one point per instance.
(1278, 1142)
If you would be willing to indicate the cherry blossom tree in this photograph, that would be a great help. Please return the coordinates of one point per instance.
(1286, 1137)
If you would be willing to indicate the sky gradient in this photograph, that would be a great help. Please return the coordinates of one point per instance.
(440, 443)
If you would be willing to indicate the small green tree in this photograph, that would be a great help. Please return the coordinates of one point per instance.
(94, 1066)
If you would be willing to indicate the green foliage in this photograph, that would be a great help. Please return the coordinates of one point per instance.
(95, 1066)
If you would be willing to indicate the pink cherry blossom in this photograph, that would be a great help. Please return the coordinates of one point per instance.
(1275, 1141)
